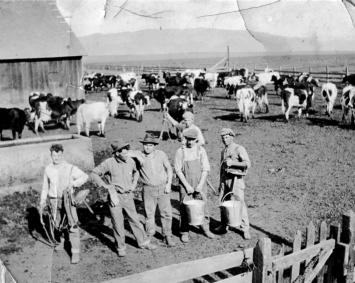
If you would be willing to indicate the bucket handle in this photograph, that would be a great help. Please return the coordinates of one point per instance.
(203, 197)
(222, 200)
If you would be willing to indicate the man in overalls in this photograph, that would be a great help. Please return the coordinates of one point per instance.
(156, 176)
(234, 165)
(59, 179)
(123, 180)
(192, 167)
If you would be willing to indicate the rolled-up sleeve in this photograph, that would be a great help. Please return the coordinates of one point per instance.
(178, 161)
(79, 177)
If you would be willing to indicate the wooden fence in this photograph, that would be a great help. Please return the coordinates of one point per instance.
(325, 75)
(324, 255)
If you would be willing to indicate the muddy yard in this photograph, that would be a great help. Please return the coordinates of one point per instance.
(301, 171)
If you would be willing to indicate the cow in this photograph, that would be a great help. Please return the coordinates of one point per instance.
(297, 97)
(261, 98)
(349, 79)
(13, 119)
(200, 86)
(329, 93)
(347, 103)
(246, 101)
(50, 108)
(136, 101)
(265, 77)
(151, 80)
(92, 112)
(164, 94)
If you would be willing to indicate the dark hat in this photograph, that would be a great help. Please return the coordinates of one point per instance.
(149, 138)
(190, 134)
(119, 145)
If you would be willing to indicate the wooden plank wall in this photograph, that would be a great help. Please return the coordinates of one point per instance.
(18, 79)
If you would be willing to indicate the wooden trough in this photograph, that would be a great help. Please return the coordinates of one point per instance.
(22, 162)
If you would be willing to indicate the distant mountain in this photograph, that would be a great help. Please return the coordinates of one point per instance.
(199, 43)
(171, 41)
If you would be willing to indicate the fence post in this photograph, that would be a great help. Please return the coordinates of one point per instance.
(348, 237)
(326, 72)
(262, 259)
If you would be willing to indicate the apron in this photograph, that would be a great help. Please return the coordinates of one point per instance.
(192, 170)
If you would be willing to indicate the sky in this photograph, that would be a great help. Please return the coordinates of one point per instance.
(317, 19)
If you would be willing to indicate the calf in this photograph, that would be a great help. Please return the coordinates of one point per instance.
(136, 102)
(261, 98)
(246, 100)
(293, 97)
(93, 112)
(329, 93)
(13, 119)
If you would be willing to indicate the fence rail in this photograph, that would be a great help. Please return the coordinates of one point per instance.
(326, 255)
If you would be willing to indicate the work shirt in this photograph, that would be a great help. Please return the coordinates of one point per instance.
(188, 154)
(238, 153)
(57, 177)
(121, 172)
(153, 168)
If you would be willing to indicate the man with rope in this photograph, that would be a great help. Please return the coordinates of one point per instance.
(59, 179)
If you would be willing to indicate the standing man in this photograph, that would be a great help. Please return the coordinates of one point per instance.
(59, 179)
(156, 175)
(186, 124)
(234, 166)
(123, 180)
(192, 167)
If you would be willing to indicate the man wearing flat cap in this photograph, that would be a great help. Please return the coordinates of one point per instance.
(156, 175)
(192, 167)
(123, 180)
(234, 165)
(186, 124)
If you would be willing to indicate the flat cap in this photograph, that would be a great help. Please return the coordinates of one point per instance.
(227, 131)
(190, 134)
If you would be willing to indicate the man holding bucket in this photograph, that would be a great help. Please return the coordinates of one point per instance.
(234, 165)
(192, 167)
(156, 175)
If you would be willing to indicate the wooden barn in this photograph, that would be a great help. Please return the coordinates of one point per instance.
(38, 52)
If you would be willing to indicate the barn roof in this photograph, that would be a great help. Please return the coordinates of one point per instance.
(33, 29)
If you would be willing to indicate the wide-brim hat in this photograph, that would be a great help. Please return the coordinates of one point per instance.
(149, 138)
(120, 144)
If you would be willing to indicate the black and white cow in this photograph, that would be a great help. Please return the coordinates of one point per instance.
(291, 97)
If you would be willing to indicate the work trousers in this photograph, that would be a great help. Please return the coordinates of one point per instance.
(58, 211)
(237, 186)
(153, 196)
(126, 203)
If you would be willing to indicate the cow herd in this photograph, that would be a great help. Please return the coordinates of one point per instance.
(175, 93)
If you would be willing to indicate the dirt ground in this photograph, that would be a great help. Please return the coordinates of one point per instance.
(301, 171)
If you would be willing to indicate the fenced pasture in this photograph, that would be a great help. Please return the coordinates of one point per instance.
(302, 171)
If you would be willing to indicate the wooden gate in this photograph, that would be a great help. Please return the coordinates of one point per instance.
(324, 255)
